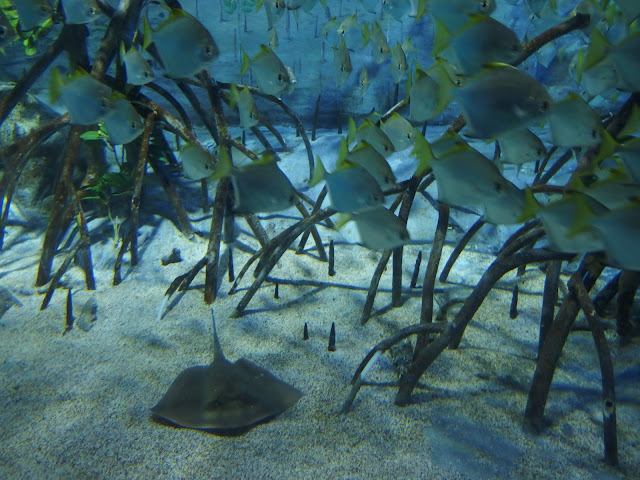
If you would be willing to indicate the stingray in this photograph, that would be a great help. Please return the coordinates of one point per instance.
(225, 395)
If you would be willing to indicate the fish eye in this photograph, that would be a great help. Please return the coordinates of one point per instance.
(93, 11)
(133, 125)
(381, 50)
(498, 187)
(594, 133)
(280, 78)
(146, 74)
(484, 4)
(544, 106)
(208, 50)
(3, 31)
(539, 152)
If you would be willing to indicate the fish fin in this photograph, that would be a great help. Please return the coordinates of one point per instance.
(245, 62)
(224, 166)
(343, 151)
(531, 206)
(55, 84)
(598, 48)
(366, 35)
(146, 33)
(342, 219)
(582, 217)
(318, 173)
(422, 152)
(233, 97)
(351, 130)
(122, 52)
(441, 40)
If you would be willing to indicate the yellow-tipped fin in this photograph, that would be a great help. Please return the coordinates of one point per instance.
(233, 98)
(318, 173)
(531, 206)
(343, 150)
(55, 84)
(224, 166)
(366, 35)
(146, 33)
(597, 49)
(633, 123)
(422, 152)
(351, 130)
(582, 217)
(245, 62)
(441, 40)
(343, 218)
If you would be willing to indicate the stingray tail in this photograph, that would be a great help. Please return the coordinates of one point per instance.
(217, 348)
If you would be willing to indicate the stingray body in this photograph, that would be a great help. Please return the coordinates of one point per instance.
(225, 395)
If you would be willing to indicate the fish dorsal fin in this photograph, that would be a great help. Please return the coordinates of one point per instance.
(318, 173)
(218, 356)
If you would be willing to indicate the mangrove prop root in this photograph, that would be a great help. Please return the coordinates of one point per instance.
(629, 282)
(373, 286)
(464, 241)
(59, 210)
(282, 243)
(604, 296)
(383, 346)
(137, 188)
(554, 341)
(215, 236)
(322, 254)
(455, 329)
(430, 275)
(58, 275)
(606, 368)
(181, 213)
(549, 299)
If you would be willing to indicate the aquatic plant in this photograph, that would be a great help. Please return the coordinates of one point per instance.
(494, 96)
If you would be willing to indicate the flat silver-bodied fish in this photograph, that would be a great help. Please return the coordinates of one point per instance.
(123, 124)
(502, 98)
(197, 163)
(77, 12)
(261, 187)
(32, 13)
(574, 123)
(380, 229)
(379, 46)
(480, 41)
(137, 68)
(368, 158)
(566, 223)
(521, 146)
(351, 188)
(399, 130)
(247, 110)
(342, 62)
(372, 134)
(619, 231)
(455, 13)
(396, 8)
(398, 63)
(270, 74)
(88, 101)
(465, 177)
(184, 45)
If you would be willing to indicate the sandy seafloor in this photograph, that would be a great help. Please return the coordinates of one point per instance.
(77, 406)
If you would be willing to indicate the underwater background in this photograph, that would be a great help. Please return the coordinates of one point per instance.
(414, 223)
